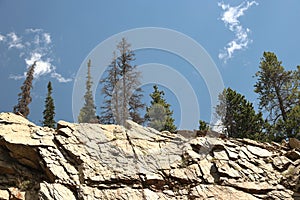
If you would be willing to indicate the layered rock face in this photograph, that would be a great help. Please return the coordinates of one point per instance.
(93, 161)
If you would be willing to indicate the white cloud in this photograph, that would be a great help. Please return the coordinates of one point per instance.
(60, 78)
(2, 38)
(14, 41)
(42, 67)
(34, 46)
(33, 30)
(36, 40)
(230, 17)
(17, 77)
(47, 38)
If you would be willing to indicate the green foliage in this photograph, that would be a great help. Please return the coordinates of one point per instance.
(24, 97)
(278, 91)
(110, 103)
(292, 124)
(159, 115)
(122, 98)
(49, 111)
(87, 113)
(239, 117)
(203, 126)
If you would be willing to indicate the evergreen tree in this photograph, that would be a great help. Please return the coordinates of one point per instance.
(88, 111)
(159, 115)
(203, 126)
(122, 98)
(136, 105)
(278, 91)
(110, 105)
(293, 122)
(24, 97)
(238, 116)
(49, 111)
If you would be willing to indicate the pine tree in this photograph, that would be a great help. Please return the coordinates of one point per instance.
(122, 98)
(136, 105)
(293, 122)
(278, 91)
(49, 111)
(110, 104)
(239, 117)
(159, 115)
(203, 126)
(24, 97)
(87, 113)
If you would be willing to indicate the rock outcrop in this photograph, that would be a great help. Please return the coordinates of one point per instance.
(93, 161)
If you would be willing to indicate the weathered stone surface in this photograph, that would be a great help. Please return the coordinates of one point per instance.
(291, 177)
(219, 192)
(58, 169)
(294, 143)
(259, 151)
(220, 155)
(4, 195)
(16, 194)
(224, 167)
(55, 191)
(249, 155)
(94, 161)
(293, 155)
(207, 168)
(252, 187)
(281, 162)
(232, 153)
(280, 195)
(191, 173)
(250, 166)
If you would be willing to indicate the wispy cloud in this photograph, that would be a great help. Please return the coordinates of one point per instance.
(34, 46)
(42, 66)
(60, 78)
(33, 30)
(47, 38)
(14, 41)
(2, 38)
(230, 17)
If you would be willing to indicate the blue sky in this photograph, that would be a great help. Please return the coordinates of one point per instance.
(61, 34)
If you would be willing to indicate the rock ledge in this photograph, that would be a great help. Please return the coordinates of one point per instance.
(94, 161)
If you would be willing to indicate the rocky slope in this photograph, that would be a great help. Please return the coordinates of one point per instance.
(93, 161)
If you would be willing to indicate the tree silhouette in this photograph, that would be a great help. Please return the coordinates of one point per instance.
(49, 111)
(136, 105)
(87, 113)
(203, 126)
(122, 97)
(239, 117)
(110, 105)
(24, 96)
(278, 91)
(159, 115)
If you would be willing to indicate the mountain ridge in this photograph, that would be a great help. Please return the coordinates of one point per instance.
(95, 161)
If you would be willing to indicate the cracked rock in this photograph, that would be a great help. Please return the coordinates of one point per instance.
(95, 161)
